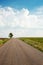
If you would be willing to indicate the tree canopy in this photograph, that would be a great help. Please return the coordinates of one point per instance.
(10, 35)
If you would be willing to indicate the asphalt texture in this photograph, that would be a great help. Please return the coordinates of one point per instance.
(17, 52)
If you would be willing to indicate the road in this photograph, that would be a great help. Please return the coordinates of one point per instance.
(16, 52)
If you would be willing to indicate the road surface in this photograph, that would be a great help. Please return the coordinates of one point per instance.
(16, 52)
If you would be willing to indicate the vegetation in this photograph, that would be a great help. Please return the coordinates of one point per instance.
(35, 42)
(3, 40)
(10, 35)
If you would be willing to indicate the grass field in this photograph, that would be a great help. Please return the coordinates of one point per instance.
(3, 40)
(35, 42)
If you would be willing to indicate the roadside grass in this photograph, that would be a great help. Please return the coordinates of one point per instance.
(3, 40)
(35, 42)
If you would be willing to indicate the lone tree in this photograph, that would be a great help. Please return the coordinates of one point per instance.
(10, 35)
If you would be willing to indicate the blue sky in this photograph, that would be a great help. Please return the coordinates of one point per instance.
(30, 4)
(21, 17)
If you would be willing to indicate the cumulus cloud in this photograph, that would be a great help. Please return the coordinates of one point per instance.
(39, 10)
(22, 18)
(13, 18)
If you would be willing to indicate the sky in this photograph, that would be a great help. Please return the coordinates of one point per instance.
(24, 18)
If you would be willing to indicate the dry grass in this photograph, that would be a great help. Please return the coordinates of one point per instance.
(3, 40)
(35, 42)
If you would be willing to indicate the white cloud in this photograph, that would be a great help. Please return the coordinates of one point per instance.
(39, 10)
(13, 18)
(23, 18)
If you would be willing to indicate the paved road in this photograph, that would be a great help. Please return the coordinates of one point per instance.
(16, 52)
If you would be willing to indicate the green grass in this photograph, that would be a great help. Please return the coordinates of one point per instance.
(35, 42)
(3, 40)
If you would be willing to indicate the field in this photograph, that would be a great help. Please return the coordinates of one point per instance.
(3, 40)
(35, 42)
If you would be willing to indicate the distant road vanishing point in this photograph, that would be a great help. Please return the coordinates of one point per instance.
(16, 52)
